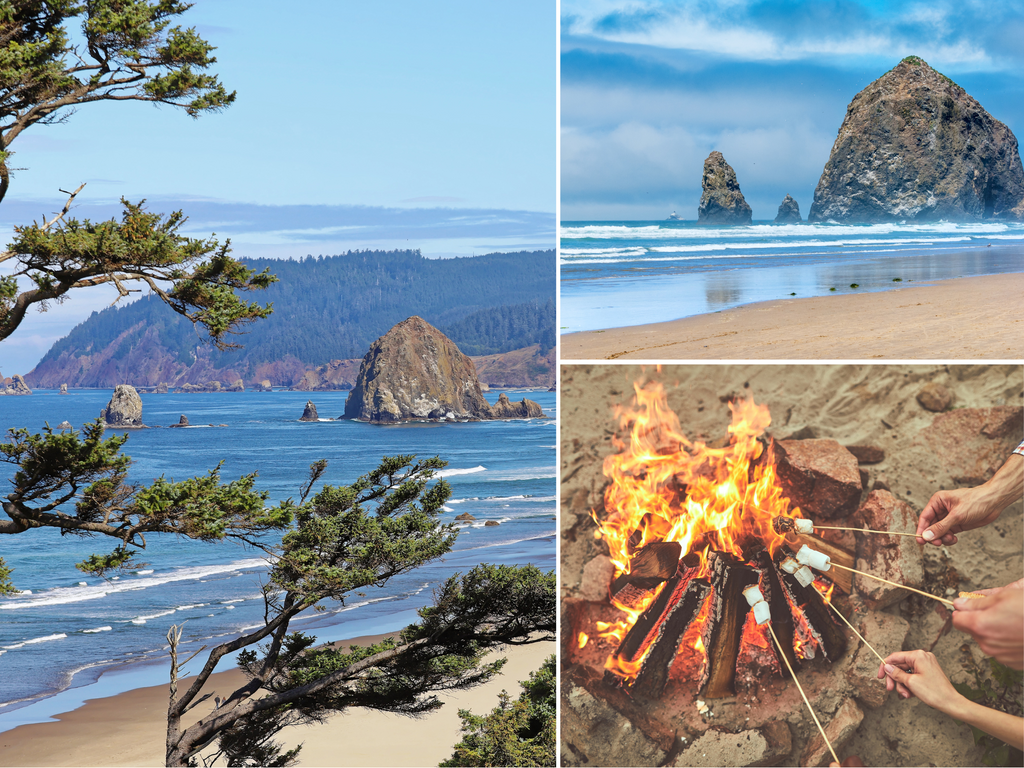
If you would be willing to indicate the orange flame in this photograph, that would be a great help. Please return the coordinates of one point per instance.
(666, 487)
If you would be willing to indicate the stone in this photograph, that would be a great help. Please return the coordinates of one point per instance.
(789, 212)
(864, 477)
(597, 575)
(64, 425)
(63, 389)
(309, 414)
(416, 372)
(161, 388)
(882, 483)
(182, 422)
(915, 146)
(491, 523)
(970, 444)
(820, 476)
(525, 409)
(867, 454)
(16, 387)
(124, 408)
(595, 733)
(886, 633)
(934, 397)
(721, 201)
(840, 730)
(754, 747)
(237, 386)
(896, 558)
(465, 517)
(263, 386)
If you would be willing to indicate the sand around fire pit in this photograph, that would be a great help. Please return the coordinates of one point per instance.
(903, 452)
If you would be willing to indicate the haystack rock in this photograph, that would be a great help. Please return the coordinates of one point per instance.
(416, 372)
(915, 146)
(124, 408)
(182, 422)
(789, 212)
(16, 387)
(309, 414)
(506, 409)
(721, 201)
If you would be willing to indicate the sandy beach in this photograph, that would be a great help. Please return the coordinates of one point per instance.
(967, 319)
(129, 729)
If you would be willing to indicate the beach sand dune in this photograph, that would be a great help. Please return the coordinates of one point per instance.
(970, 318)
(129, 729)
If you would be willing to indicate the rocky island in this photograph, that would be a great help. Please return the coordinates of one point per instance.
(124, 409)
(721, 201)
(915, 146)
(415, 372)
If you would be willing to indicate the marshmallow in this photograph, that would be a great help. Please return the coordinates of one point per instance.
(762, 612)
(789, 565)
(753, 595)
(812, 557)
(803, 526)
(804, 576)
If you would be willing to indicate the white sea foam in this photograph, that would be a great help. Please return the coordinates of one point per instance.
(453, 472)
(144, 619)
(63, 595)
(36, 640)
(648, 232)
(190, 607)
(98, 629)
(137, 573)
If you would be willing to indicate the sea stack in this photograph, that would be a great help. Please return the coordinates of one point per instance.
(414, 372)
(915, 146)
(63, 389)
(17, 386)
(124, 408)
(789, 212)
(721, 201)
(309, 414)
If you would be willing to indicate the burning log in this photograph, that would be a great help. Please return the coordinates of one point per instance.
(824, 628)
(652, 565)
(724, 628)
(782, 615)
(683, 608)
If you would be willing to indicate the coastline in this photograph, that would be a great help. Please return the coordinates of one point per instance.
(966, 318)
(128, 729)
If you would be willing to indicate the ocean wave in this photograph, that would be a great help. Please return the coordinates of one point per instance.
(63, 595)
(137, 573)
(36, 640)
(828, 230)
(453, 472)
(190, 607)
(144, 619)
(98, 629)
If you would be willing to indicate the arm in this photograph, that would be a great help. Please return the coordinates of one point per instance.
(996, 622)
(917, 673)
(951, 512)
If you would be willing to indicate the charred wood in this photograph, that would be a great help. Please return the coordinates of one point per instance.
(782, 614)
(724, 628)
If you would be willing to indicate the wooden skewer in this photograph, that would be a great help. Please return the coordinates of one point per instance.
(893, 583)
(858, 634)
(865, 530)
(802, 694)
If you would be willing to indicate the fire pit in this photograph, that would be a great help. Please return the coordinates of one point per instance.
(689, 527)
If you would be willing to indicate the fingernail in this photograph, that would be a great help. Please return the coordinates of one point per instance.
(928, 535)
(889, 669)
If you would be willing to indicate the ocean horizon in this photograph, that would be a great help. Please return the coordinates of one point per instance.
(69, 636)
(622, 273)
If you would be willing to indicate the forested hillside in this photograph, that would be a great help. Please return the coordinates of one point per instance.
(325, 308)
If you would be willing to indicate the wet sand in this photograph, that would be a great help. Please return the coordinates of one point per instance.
(969, 318)
(129, 729)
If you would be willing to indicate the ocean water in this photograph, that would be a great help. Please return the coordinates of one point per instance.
(66, 629)
(619, 273)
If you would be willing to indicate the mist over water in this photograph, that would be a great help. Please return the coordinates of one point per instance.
(66, 627)
(621, 273)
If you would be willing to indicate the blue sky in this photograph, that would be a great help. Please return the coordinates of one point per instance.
(649, 89)
(357, 125)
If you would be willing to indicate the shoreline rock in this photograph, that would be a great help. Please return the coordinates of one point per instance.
(789, 212)
(124, 409)
(721, 201)
(309, 414)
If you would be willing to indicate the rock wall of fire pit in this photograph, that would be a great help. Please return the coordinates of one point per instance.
(897, 446)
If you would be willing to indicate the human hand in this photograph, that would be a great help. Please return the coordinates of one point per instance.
(996, 622)
(948, 513)
(917, 673)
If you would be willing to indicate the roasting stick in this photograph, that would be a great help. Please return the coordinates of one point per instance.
(783, 524)
(858, 634)
(865, 530)
(804, 695)
(893, 583)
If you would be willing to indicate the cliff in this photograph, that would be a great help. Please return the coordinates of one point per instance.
(721, 201)
(915, 146)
